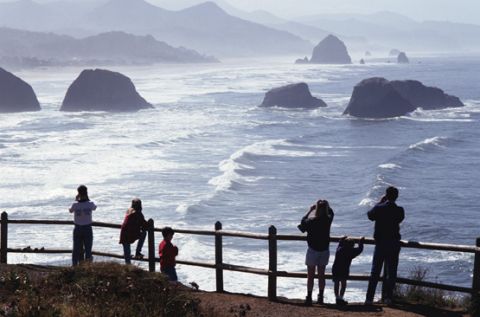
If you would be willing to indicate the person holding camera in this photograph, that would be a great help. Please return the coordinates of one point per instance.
(317, 223)
(82, 217)
(387, 217)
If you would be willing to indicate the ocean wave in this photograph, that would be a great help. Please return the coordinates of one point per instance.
(435, 142)
(233, 169)
(389, 166)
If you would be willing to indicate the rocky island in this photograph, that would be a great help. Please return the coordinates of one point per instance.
(331, 50)
(292, 96)
(15, 94)
(379, 98)
(103, 90)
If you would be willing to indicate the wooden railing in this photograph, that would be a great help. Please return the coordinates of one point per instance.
(272, 237)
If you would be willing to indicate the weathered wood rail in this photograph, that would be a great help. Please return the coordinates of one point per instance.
(272, 237)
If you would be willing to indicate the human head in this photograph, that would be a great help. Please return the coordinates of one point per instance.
(322, 208)
(391, 193)
(82, 193)
(137, 204)
(167, 233)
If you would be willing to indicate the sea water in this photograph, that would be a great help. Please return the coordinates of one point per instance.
(208, 153)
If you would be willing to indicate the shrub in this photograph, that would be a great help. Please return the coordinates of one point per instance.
(101, 289)
(426, 296)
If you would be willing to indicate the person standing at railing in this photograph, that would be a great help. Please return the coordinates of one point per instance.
(82, 217)
(167, 252)
(317, 223)
(134, 228)
(387, 216)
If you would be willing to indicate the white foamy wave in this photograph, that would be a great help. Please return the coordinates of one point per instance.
(366, 202)
(423, 145)
(389, 166)
(238, 162)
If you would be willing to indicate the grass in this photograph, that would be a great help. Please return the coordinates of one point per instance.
(101, 289)
(428, 296)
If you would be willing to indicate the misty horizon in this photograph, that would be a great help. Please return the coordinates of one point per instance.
(427, 10)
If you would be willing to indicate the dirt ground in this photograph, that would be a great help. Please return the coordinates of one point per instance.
(236, 305)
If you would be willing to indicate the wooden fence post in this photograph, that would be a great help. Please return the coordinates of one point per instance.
(476, 269)
(4, 238)
(218, 257)
(272, 263)
(151, 245)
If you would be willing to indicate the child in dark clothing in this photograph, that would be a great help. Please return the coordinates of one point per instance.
(344, 255)
(167, 252)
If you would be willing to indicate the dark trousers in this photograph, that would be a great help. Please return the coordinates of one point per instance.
(127, 253)
(385, 252)
(82, 240)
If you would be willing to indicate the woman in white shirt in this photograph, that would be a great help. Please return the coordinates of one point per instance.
(82, 233)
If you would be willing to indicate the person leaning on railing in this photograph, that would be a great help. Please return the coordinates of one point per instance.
(134, 227)
(82, 217)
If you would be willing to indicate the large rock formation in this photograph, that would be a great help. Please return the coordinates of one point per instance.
(292, 96)
(425, 97)
(103, 90)
(330, 51)
(402, 58)
(15, 94)
(377, 98)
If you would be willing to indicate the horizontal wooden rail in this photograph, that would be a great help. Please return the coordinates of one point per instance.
(248, 235)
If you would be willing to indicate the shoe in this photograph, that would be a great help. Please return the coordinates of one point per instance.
(320, 299)
(138, 256)
(368, 303)
(308, 301)
(341, 302)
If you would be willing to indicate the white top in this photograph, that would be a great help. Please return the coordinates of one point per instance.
(83, 212)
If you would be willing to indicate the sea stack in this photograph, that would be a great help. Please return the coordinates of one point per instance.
(15, 94)
(103, 90)
(330, 51)
(302, 60)
(402, 58)
(362, 61)
(292, 96)
(377, 98)
(425, 97)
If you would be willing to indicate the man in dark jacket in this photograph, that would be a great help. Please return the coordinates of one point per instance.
(387, 216)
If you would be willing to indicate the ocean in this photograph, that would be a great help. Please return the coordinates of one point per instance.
(208, 153)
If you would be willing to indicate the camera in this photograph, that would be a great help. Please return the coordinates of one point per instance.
(302, 227)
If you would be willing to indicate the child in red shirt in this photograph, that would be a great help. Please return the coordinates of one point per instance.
(168, 252)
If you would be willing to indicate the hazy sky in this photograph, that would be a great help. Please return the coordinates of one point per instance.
(467, 11)
(454, 10)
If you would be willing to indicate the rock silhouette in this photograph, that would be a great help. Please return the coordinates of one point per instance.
(402, 58)
(377, 98)
(103, 90)
(330, 51)
(425, 97)
(302, 60)
(15, 94)
(292, 96)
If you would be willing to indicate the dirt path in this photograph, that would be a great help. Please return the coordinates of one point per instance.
(234, 305)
